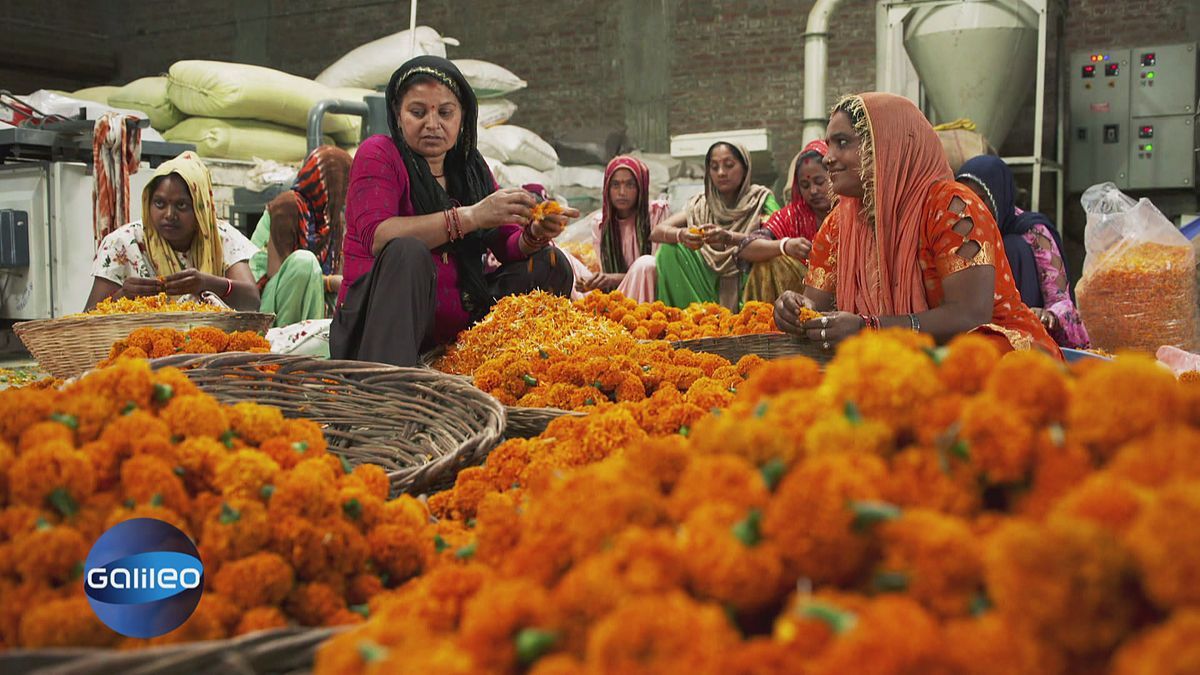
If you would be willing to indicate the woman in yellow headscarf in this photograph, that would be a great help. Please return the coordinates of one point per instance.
(182, 249)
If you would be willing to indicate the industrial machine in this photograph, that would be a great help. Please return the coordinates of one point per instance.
(1133, 117)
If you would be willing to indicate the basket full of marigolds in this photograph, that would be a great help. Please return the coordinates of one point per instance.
(70, 345)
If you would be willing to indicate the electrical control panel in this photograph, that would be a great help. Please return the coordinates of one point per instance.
(1133, 117)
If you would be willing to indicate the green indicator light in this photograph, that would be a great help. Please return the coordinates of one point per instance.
(1150, 75)
(1149, 148)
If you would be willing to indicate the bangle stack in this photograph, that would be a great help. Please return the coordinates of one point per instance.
(869, 321)
(916, 324)
(228, 288)
(453, 224)
(533, 242)
(782, 243)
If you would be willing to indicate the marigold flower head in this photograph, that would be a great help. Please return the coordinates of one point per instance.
(88, 413)
(717, 478)
(1105, 423)
(1170, 453)
(886, 378)
(45, 432)
(320, 550)
(162, 513)
(259, 579)
(50, 554)
(52, 474)
(69, 622)
(968, 361)
(1166, 545)
(817, 492)
(891, 635)
(1032, 383)
(496, 614)
(309, 490)
(988, 645)
(198, 460)
(244, 474)
(198, 415)
(255, 423)
(261, 618)
(922, 477)
(1067, 581)
(657, 633)
(239, 527)
(1170, 648)
(726, 560)
(21, 408)
(1105, 499)
(149, 480)
(399, 551)
(848, 433)
(934, 558)
(1060, 464)
(1000, 442)
(780, 375)
(171, 382)
(314, 604)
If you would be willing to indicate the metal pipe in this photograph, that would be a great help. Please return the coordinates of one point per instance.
(412, 27)
(316, 115)
(816, 62)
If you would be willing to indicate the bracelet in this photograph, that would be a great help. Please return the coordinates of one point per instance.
(532, 241)
(679, 235)
(916, 324)
(783, 242)
(328, 287)
(457, 222)
(871, 322)
(229, 289)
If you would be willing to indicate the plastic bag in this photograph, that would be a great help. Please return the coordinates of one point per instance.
(1138, 289)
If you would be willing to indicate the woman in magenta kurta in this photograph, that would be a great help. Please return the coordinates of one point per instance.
(421, 212)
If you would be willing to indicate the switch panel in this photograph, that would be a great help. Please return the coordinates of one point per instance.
(1166, 81)
(1165, 160)
(1098, 147)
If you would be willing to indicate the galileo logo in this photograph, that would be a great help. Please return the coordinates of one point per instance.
(143, 578)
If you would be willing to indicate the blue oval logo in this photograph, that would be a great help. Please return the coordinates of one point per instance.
(143, 578)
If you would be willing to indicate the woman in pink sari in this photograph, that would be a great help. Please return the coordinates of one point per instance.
(621, 232)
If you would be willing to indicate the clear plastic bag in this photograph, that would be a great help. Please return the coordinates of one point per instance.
(1138, 289)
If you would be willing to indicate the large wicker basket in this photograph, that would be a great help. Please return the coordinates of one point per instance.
(419, 424)
(766, 345)
(68, 346)
(283, 650)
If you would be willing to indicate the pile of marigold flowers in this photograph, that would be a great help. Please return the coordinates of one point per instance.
(538, 351)
(288, 532)
(656, 321)
(151, 303)
(153, 343)
(909, 509)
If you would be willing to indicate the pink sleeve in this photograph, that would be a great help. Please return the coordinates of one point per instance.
(378, 189)
(506, 243)
(1057, 299)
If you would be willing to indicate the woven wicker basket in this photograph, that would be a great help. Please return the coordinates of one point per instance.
(283, 650)
(420, 425)
(767, 345)
(68, 346)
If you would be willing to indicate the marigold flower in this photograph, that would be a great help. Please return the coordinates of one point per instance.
(1032, 383)
(1067, 581)
(399, 551)
(309, 491)
(967, 362)
(934, 558)
(198, 460)
(21, 408)
(260, 579)
(176, 381)
(237, 528)
(320, 550)
(1167, 454)
(18, 599)
(892, 635)
(987, 645)
(435, 599)
(45, 432)
(761, 656)
(1170, 648)
(496, 614)
(362, 587)
(658, 633)
(244, 474)
(406, 511)
(255, 423)
(166, 515)
(149, 480)
(726, 560)
(50, 554)
(195, 416)
(828, 548)
(314, 604)
(1060, 464)
(780, 375)
(261, 618)
(1105, 499)
(848, 433)
(52, 474)
(1000, 442)
(1105, 423)
(69, 622)
(1166, 544)
(89, 413)
(718, 478)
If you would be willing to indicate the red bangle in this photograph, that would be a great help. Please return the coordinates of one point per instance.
(871, 322)
(229, 288)
(457, 222)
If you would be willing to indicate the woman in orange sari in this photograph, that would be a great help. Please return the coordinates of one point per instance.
(905, 245)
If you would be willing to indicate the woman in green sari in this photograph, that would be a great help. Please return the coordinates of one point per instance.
(697, 261)
(299, 265)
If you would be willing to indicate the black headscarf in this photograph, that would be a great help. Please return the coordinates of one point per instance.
(468, 179)
(996, 178)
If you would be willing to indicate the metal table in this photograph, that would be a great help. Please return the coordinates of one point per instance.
(21, 143)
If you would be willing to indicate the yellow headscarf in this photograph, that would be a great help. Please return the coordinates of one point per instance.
(205, 253)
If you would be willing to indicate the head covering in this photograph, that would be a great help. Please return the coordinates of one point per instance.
(538, 190)
(709, 207)
(879, 235)
(797, 219)
(205, 253)
(312, 214)
(468, 179)
(612, 258)
(995, 177)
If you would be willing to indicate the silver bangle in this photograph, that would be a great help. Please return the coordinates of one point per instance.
(783, 242)
(916, 324)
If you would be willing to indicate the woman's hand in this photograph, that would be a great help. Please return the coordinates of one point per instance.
(797, 247)
(192, 281)
(135, 287)
(510, 205)
(716, 236)
(1048, 319)
(832, 328)
(599, 282)
(553, 225)
(787, 311)
(692, 240)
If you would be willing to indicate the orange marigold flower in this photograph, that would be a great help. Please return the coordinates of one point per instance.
(50, 554)
(891, 635)
(818, 492)
(215, 337)
(359, 506)
(237, 528)
(658, 633)
(222, 609)
(314, 604)
(199, 458)
(305, 431)
(988, 645)
(1031, 383)
(407, 511)
(255, 423)
(1105, 499)
(89, 413)
(780, 375)
(178, 383)
(399, 551)
(1105, 423)
(150, 480)
(52, 475)
(1166, 544)
(717, 478)
(45, 432)
(727, 561)
(259, 579)
(309, 491)
(968, 361)
(261, 618)
(1000, 442)
(21, 408)
(320, 550)
(1170, 648)
(1166, 455)
(166, 515)
(247, 341)
(842, 433)
(244, 474)
(921, 477)
(127, 382)
(1067, 581)
(1060, 464)
(497, 527)
(195, 416)
(68, 622)
(362, 587)
(496, 615)
(935, 558)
